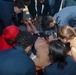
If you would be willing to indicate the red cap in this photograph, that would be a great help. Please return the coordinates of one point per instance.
(10, 32)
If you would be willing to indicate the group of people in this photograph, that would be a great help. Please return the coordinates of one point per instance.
(53, 50)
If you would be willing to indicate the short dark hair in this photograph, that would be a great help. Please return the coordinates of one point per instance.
(24, 39)
(27, 2)
(19, 3)
(57, 53)
(46, 20)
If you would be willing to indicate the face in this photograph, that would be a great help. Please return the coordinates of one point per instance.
(18, 10)
(64, 40)
(52, 24)
(72, 42)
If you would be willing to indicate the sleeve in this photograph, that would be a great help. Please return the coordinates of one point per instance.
(45, 72)
(6, 11)
(32, 70)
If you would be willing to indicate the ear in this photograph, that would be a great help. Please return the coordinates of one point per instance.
(65, 40)
(27, 49)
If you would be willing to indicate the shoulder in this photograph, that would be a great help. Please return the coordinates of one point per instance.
(50, 69)
(64, 11)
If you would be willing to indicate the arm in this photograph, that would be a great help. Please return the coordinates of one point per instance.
(42, 49)
(30, 26)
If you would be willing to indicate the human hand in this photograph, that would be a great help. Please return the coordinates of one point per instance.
(39, 19)
(32, 26)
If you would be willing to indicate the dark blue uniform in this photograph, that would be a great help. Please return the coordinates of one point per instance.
(16, 62)
(69, 69)
(6, 11)
(50, 7)
(67, 3)
(32, 9)
(66, 16)
(48, 4)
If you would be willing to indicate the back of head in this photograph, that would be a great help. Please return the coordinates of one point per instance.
(46, 21)
(57, 53)
(24, 39)
(66, 32)
(27, 2)
(10, 32)
(19, 3)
